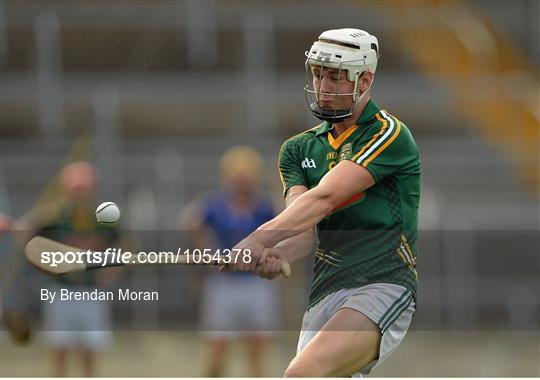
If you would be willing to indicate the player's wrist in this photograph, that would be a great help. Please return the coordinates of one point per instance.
(262, 238)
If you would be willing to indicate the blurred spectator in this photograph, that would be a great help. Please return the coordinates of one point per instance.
(84, 327)
(233, 304)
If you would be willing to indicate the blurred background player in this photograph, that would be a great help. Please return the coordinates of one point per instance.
(81, 327)
(233, 304)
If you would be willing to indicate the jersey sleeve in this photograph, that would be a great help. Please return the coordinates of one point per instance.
(290, 165)
(387, 149)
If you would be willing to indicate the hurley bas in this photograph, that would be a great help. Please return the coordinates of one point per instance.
(64, 294)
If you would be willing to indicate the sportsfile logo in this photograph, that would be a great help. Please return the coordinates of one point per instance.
(308, 163)
(114, 257)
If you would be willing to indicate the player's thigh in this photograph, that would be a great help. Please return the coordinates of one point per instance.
(348, 342)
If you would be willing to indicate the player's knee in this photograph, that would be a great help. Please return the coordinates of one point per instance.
(298, 370)
(294, 371)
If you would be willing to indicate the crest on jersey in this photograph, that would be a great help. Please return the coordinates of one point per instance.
(345, 152)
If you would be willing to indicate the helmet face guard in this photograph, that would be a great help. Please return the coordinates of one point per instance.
(313, 94)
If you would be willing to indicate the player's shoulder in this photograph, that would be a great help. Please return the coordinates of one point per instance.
(388, 127)
(300, 138)
(206, 201)
(44, 214)
(212, 198)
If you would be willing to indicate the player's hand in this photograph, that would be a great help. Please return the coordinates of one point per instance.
(249, 247)
(18, 325)
(271, 265)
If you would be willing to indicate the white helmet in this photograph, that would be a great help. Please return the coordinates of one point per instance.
(353, 50)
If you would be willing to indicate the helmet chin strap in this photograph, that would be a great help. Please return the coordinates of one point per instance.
(332, 116)
(362, 96)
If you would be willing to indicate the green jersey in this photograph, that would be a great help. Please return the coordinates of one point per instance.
(370, 238)
(73, 225)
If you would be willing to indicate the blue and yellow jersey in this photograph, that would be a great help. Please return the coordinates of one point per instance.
(230, 227)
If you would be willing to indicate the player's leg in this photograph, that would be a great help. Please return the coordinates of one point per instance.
(59, 333)
(218, 321)
(96, 333)
(255, 345)
(348, 342)
(339, 333)
(87, 360)
(58, 356)
(218, 347)
(260, 309)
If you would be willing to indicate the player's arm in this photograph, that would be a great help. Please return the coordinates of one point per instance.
(28, 225)
(290, 250)
(299, 246)
(344, 181)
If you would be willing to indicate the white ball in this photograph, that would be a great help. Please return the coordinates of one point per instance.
(108, 212)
